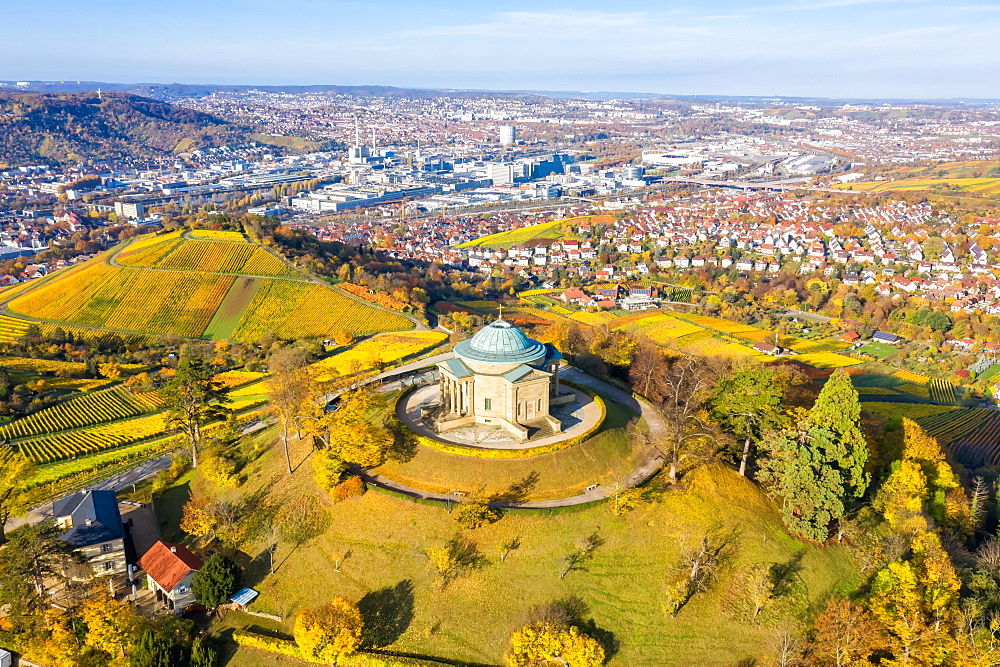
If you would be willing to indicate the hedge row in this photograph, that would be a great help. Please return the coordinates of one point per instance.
(523, 453)
(290, 648)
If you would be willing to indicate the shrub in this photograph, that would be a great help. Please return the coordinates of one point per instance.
(328, 468)
(475, 513)
(354, 486)
(329, 632)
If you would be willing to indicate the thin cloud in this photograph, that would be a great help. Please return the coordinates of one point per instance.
(831, 4)
(522, 24)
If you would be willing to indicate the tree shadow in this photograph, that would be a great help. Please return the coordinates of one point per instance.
(387, 613)
(519, 491)
(296, 466)
(169, 508)
(784, 576)
(255, 569)
(404, 443)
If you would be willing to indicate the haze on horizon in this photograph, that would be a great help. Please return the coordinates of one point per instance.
(918, 49)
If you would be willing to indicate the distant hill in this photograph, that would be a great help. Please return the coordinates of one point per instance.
(56, 128)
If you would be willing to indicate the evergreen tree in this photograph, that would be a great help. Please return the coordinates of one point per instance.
(193, 398)
(801, 471)
(149, 651)
(748, 403)
(215, 581)
(837, 409)
(204, 653)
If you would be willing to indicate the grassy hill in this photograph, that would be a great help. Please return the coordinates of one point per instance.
(620, 588)
(175, 284)
(554, 230)
(67, 127)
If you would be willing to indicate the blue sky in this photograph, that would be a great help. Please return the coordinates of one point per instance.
(829, 48)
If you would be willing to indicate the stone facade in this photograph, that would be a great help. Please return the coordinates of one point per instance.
(503, 378)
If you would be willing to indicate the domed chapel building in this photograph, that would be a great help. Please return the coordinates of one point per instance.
(500, 377)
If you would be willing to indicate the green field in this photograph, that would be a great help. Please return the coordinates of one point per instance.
(878, 350)
(227, 317)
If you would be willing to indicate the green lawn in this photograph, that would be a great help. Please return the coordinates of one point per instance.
(611, 454)
(620, 588)
(879, 350)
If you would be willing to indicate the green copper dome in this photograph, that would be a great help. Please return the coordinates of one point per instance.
(500, 342)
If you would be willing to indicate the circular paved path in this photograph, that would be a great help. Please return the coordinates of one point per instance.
(652, 461)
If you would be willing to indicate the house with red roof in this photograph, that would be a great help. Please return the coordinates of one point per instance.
(170, 569)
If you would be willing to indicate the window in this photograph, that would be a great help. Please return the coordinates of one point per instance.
(105, 548)
(488, 404)
(109, 565)
(539, 408)
(518, 409)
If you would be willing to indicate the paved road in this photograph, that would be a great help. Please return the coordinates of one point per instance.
(652, 462)
(115, 483)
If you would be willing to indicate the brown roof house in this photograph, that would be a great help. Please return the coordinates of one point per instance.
(171, 568)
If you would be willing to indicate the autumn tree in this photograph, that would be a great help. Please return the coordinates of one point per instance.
(16, 471)
(846, 634)
(453, 559)
(355, 433)
(110, 624)
(288, 389)
(695, 570)
(648, 367)
(476, 512)
(681, 396)
(542, 643)
(330, 632)
(916, 601)
(921, 484)
(193, 398)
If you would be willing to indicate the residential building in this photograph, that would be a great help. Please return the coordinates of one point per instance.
(170, 569)
(93, 526)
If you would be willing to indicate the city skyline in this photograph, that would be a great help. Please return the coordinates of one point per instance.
(834, 48)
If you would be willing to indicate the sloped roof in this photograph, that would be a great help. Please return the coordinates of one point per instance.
(168, 564)
(457, 368)
(94, 515)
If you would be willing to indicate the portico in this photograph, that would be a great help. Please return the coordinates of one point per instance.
(501, 377)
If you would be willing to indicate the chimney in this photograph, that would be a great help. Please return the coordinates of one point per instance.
(89, 522)
(173, 549)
